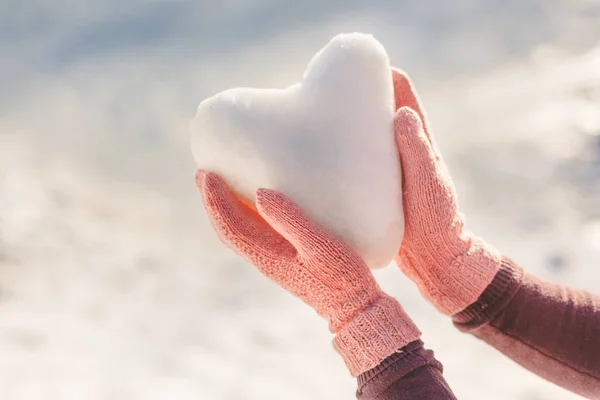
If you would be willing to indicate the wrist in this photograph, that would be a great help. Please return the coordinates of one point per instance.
(374, 334)
(453, 277)
(494, 298)
(465, 278)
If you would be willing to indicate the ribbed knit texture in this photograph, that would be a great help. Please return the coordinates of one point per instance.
(451, 267)
(310, 263)
(374, 334)
(493, 300)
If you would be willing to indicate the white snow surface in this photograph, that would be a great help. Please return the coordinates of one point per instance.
(327, 142)
(112, 284)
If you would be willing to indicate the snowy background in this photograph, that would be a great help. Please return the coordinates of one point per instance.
(112, 286)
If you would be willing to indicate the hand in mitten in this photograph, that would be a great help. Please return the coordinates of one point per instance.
(450, 266)
(306, 260)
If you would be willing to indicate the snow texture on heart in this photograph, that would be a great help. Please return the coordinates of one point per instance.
(327, 142)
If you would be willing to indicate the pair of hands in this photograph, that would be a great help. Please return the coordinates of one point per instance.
(450, 268)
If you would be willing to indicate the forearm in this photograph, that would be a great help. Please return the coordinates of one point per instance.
(551, 330)
(412, 373)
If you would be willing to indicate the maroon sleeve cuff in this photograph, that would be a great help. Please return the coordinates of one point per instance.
(411, 373)
(493, 300)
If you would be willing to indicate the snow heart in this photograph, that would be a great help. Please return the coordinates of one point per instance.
(326, 142)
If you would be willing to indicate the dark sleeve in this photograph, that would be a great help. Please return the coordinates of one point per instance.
(549, 329)
(411, 373)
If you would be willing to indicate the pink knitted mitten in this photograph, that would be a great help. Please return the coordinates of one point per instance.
(311, 264)
(451, 267)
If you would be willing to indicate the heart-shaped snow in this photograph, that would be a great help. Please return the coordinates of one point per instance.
(326, 142)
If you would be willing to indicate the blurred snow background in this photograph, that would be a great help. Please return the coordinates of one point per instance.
(112, 286)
